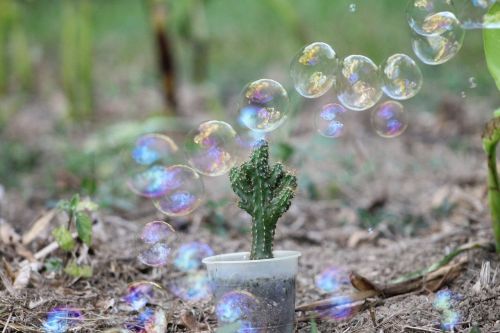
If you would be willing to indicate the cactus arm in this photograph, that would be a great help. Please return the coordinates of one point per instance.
(265, 193)
(491, 137)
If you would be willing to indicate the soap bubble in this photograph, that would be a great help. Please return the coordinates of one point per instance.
(155, 243)
(185, 192)
(472, 82)
(150, 155)
(236, 307)
(437, 49)
(419, 11)
(148, 321)
(313, 69)
(445, 301)
(402, 77)
(62, 319)
(341, 308)
(150, 183)
(264, 105)
(352, 7)
(331, 279)
(193, 287)
(154, 148)
(329, 121)
(211, 148)
(189, 256)
(359, 83)
(141, 293)
(389, 119)
(474, 15)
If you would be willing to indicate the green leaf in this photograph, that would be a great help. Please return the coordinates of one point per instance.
(87, 205)
(75, 200)
(53, 264)
(84, 228)
(63, 238)
(492, 44)
(74, 270)
(314, 327)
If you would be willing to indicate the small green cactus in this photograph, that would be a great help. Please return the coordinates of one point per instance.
(266, 194)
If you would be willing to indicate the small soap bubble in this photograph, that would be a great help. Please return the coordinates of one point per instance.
(236, 307)
(189, 256)
(359, 85)
(149, 183)
(436, 49)
(148, 321)
(62, 319)
(313, 69)
(154, 148)
(264, 105)
(341, 309)
(389, 119)
(474, 14)
(139, 294)
(211, 148)
(331, 279)
(154, 243)
(463, 94)
(418, 11)
(402, 77)
(352, 7)
(472, 82)
(194, 287)
(329, 121)
(445, 302)
(185, 192)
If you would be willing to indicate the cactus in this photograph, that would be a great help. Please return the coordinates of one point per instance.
(266, 194)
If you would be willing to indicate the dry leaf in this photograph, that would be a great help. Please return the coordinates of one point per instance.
(189, 320)
(23, 277)
(7, 234)
(38, 227)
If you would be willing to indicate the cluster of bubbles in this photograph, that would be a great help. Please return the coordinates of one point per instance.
(330, 281)
(445, 302)
(438, 26)
(358, 82)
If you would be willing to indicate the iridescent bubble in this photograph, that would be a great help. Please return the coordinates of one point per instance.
(155, 243)
(154, 148)
(313, 69)
(389, 119)
(329, 121)
(264, 105)
(62, 319)
(341, 308)
(331, 279)
(359, 85)
(150, 183)
(211, 148)
(148, 321)
(436, 49)
(184, 193)
(402, 77)
(474, 15)
(141, 293)
(444, 302)
(194, 287)
(236, 307)
(418, 11)
(189, 256)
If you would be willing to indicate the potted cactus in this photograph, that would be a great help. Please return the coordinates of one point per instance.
(255, 291)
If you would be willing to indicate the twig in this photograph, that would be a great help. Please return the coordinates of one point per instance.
(421, 329)
(7, 323)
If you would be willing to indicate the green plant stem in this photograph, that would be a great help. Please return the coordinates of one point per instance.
(491, 137)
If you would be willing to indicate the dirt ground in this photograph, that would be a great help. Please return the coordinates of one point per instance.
(395, 206)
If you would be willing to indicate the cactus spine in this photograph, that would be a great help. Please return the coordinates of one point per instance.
(266, 194)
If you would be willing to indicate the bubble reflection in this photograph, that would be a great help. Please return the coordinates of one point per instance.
(148, 321)
(189, 256)
(193, 287)
(155, 243)
(237, 307)
(331, 279)
(62, 319)
(330, 122)
(389, 119)
(141, 293)
(444, 302)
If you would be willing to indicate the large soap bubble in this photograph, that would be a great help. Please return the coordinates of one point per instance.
(313, 69)
(436, 49)
(418, 13)
(402, 77)
(211, 148)
(185, 192)
(264, 105)
(359, 83)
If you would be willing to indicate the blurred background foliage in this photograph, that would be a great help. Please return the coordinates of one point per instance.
(92, 67)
